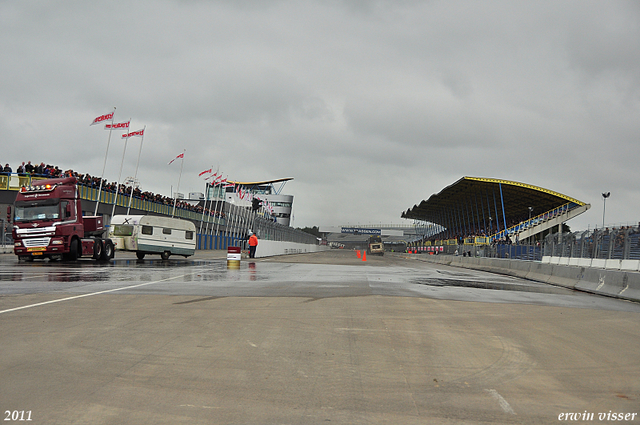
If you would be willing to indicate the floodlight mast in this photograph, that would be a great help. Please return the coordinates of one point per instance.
(605, 195)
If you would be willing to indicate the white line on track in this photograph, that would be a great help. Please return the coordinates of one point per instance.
(90, 294)
(506, 407)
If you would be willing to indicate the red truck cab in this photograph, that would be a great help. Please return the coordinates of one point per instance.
(48, 223)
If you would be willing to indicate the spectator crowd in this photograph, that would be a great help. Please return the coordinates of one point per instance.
(50, 171)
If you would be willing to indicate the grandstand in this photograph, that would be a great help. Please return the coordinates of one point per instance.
(477, 211)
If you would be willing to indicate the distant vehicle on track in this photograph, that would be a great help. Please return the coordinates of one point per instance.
(375, 245)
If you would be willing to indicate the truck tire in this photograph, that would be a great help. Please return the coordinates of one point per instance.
(140, 255)
(73, 251)
(97, 249)
(165, 255)
(107, 250)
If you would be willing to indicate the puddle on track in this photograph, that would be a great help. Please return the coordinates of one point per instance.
(540, 288)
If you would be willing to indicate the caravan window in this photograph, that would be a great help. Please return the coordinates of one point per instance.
(147, 230)
(188, 235)
(166, 230)
(122, 230)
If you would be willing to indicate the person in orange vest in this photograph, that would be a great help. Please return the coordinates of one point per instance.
(253, 244)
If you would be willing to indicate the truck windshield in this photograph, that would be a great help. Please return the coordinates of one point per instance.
(122, 230)
(37, 212)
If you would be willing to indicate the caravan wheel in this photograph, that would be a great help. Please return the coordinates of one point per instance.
(165, 255)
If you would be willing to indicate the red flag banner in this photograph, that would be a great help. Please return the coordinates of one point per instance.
(105, 117)
(177, 157)
(117, 125)
(138, 133)
(210, 170)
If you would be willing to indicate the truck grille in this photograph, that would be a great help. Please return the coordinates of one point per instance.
(36, 242)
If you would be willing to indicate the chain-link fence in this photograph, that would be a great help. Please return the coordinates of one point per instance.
(621, 243)
(617, 243)
(239, 222)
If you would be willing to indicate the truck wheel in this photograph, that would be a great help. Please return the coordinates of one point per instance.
(97, 249)
(107, 251)
(140, 255)
(165, 255)
(73, 251)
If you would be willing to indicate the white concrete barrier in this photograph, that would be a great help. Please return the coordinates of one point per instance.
(268, 248)
(630, 265)
(573, 261)
(612, 264)
(584, 262)
(599, 280)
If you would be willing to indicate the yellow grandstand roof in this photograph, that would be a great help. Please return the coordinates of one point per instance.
(478, 194)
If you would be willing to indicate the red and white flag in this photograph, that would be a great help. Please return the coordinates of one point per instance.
(229, 184)
(105, 117)
(177, 157)
(138, 133)
(209, 171)
(117, 125)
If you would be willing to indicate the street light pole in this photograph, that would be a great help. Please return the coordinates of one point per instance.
(604, 205)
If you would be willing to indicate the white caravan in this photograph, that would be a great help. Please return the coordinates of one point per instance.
(149, 234)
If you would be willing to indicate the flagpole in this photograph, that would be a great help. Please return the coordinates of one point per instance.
(204, 207)
(215, 208)
(175, 197)
(228, 221)
(206, 229)
(213, 186)
(135, 176)
(104, 165)
(206, 199)
(113, 210)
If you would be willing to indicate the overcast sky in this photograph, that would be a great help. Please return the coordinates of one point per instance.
(371, 106)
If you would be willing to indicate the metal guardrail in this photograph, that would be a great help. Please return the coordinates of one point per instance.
(534, 221)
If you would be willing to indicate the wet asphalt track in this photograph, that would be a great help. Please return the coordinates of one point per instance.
(306, 339)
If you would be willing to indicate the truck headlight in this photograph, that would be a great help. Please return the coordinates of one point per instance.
(57, 242)
(17, 243)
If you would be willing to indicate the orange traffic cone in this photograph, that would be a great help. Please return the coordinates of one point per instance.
(358, 253)
(364, 255)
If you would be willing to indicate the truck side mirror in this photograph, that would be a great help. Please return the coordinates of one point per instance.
(67, 211)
